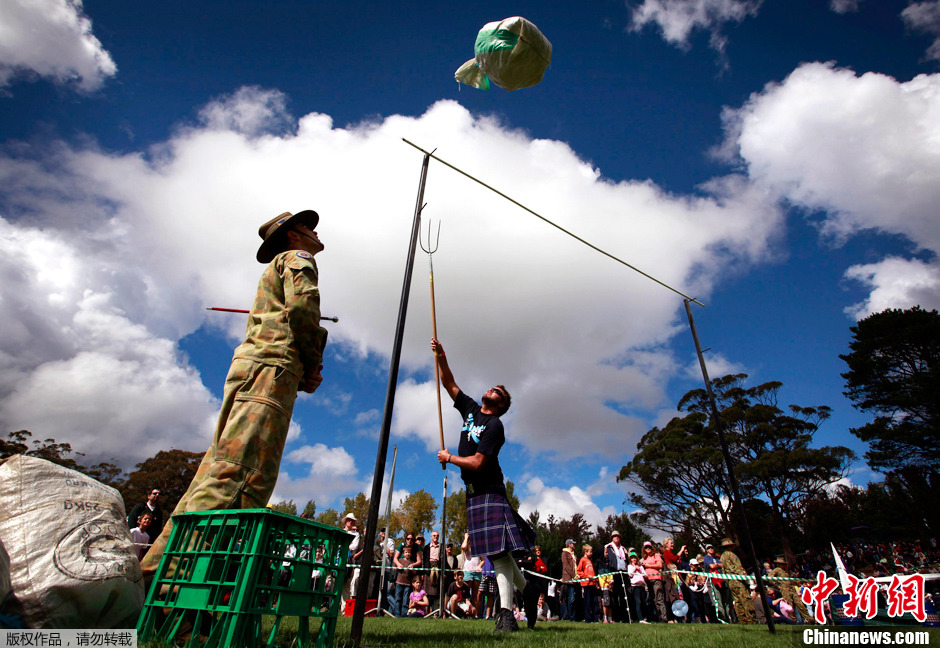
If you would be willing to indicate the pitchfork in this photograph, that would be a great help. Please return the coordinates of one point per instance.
(431, 249)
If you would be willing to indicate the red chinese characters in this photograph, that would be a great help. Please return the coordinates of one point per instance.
(818, 593)
(863, 597)
(907, 595)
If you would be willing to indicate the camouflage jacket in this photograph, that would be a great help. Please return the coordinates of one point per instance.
(731, 564)
(284, 322)
(785, 586)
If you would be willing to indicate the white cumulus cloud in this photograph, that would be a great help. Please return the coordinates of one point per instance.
(678, 19)
(77, 368)
(53, 39)
(896, 283)
(863, 153)
(562, 503)
(326, 476)
(925, 17)
(143, 241)
(844, 6)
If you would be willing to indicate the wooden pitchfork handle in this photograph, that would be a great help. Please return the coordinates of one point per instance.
(431, 249)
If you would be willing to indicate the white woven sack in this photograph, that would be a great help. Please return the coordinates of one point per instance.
(73, 563)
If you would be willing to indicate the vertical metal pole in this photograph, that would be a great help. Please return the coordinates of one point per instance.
(443, 555)
(388, 531)
(729, 464)
(355, 633)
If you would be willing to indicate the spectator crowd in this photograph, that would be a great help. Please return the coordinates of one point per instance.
(654, 583)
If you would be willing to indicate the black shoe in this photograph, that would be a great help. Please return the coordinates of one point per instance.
(530, 598)
(505, 621)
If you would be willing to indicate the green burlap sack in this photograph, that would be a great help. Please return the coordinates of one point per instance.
(510, 53)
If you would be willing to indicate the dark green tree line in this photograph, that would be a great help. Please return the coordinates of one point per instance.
(894, 373)
(680, 472)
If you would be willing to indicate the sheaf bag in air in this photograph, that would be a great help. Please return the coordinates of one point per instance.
(511, 53)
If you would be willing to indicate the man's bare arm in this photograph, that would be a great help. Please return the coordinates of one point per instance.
(474, 462)
(447, 376)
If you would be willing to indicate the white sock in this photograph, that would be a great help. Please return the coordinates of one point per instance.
(507, 575)
(505, 589)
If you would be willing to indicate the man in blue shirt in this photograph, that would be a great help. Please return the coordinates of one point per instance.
(496, 529)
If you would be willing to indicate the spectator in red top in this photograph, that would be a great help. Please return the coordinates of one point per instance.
(588, 583)
(680, 558)
(653, 565)
(540, 568)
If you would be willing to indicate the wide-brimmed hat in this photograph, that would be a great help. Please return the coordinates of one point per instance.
(272, 232)
(693, 562)
(615, 533)
(781, 560)
(728, 542)
(350, 516)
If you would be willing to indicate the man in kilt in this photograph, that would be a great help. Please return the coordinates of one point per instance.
(496, 529)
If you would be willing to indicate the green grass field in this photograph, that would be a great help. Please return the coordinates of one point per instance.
(421, 633)
(431, 633)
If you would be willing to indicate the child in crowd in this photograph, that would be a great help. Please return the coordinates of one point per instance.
(605, 581)
(637, 576)
(418, 599)
(403, 582)
(588, 584)
(459, 595)
(486, 593)
(545, 612)
(141, 535)
(672, 591)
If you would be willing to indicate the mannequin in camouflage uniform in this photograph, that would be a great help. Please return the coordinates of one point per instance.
(731, 564)
(282, 352)
(787, 591)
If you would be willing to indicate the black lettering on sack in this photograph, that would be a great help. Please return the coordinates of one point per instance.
(79, 505)
(81, 483)
(97, 550)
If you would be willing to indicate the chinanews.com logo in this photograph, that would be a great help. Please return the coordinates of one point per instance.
(866, 637)
(904, 595)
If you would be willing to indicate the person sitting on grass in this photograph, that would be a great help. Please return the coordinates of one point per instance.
(545, 612)
(458, 598)
(780, 616)
(418, 603)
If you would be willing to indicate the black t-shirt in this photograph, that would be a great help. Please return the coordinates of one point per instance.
(481, 433)
(462, 591)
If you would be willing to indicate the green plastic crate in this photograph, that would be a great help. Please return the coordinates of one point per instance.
(225, 575)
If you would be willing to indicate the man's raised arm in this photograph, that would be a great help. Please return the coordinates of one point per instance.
(447, 376)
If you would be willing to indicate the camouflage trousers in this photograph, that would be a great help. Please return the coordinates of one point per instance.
(790, 594)
(742, 603)
(241, 466)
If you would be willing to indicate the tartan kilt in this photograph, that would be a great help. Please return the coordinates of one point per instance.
(495, 527)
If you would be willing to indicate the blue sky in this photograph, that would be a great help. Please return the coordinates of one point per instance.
(778, 160)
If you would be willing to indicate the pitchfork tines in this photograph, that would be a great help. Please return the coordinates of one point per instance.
(431, 249)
